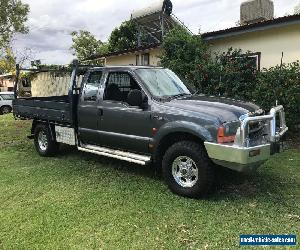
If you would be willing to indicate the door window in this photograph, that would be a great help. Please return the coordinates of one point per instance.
(7, 97)
(118, 86)
(92, 86)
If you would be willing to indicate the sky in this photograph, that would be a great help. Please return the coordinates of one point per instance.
(51, 21)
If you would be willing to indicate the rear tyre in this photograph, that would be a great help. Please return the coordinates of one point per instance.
(5, 110)
(187, 170)
(43, 141)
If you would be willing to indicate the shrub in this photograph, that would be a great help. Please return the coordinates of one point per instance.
(232, 74)
(186, 55)
(280, 85)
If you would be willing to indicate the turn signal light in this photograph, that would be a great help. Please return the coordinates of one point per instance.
(222, 138)
(154, 131)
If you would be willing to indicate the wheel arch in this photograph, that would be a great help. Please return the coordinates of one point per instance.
(50, 126)
(171, 134)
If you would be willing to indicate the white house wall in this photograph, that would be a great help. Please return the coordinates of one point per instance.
(271, 43)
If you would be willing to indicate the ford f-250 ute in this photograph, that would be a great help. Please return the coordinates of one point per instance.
(146, 115)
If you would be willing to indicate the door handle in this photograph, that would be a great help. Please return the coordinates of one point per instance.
(100, 112)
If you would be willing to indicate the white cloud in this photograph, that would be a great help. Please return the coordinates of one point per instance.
(52, 21)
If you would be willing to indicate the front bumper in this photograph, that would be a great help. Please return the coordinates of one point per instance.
(245, 155)
(238, 158)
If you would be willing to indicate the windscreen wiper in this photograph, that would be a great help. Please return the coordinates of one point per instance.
(171, 97)
(180, 95)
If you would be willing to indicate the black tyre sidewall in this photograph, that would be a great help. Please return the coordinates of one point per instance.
(9, 109)
(205, 172)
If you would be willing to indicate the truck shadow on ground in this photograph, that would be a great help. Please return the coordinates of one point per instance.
(229, 184)
(106, 162)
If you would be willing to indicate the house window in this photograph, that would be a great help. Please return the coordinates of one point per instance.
(146, 59)
(253, 59)
(7, 97)
(137, 60)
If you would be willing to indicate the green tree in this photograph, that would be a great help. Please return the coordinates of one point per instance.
(187, 55)
(13, 15)
(7, 62)
(229, 74)
(123, 37)
(86, 44)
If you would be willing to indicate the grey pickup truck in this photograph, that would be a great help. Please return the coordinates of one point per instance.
(146, 115)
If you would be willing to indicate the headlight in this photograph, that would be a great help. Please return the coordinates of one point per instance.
(227, 132)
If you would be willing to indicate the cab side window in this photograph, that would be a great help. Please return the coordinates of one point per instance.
(118, 86)
(7, 97)
(92, 86)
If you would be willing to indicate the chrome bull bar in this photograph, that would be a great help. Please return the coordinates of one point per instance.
(274, 135)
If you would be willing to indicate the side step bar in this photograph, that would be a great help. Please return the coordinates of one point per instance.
(117, 154)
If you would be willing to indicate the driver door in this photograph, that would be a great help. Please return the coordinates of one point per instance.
(87, 108)
(122, 126)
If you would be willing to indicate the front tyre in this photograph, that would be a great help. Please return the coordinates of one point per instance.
(43, 142)
(187, 169)
(5, 110)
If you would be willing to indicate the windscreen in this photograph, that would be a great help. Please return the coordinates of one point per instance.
(162, 82)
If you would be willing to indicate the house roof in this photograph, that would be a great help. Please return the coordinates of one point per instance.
(264, 25)
(124, 52)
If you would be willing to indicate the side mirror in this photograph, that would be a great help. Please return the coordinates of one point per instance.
(135, 98)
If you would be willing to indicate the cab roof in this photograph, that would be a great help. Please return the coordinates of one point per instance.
(130, 67)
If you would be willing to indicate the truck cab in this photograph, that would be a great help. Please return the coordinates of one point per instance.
(114, 110)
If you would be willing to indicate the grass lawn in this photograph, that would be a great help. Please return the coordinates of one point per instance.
(80, 201)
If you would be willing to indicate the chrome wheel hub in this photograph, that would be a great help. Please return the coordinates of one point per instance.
(42, 140)
(185, 171)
